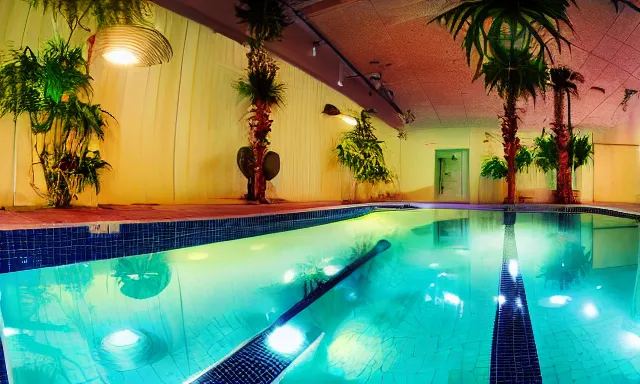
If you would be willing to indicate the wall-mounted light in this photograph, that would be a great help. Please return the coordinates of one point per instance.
(314, 49)
(131, 45)
(332, 110)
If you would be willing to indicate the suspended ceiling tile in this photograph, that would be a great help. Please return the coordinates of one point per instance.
(607, 48)
(634, 39)
(624, 25)
(593, 68)
(627, 58)
(611, 78)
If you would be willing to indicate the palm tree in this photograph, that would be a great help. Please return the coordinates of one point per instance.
(515, 74)
(563, 81)
(266, 20)
(523, 20)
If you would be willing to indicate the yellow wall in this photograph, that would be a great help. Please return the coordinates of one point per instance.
(180, 124)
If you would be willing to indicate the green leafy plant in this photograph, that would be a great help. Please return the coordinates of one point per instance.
(520, 22)
(514, 73)
(361, 151)
(104, 12)
(266, 20)
(496, 168)
(546, 150)
(566, 265)
(51, 88)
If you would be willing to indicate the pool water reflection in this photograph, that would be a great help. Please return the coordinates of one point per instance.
(421, 312)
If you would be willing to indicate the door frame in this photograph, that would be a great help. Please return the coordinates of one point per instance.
(466, 198)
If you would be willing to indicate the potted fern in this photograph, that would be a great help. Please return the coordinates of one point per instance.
(53, 88)
(361, 151)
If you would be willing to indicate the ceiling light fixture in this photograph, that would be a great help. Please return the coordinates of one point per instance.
(132, 45)
(340, 74)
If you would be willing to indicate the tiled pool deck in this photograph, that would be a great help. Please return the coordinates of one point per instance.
(49, 217)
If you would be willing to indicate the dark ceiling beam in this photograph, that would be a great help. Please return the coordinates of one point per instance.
(324, 5)
(355, 70)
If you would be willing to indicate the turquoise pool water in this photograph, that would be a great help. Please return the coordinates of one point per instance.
(421, 312)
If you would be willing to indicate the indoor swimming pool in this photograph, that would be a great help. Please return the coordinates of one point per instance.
(454, 296)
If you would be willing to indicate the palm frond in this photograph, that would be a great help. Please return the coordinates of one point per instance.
(266, 19)
(20, 77)
(628, 3)
(514, 72)
(564, 79)
(260, 82)
(481, 21)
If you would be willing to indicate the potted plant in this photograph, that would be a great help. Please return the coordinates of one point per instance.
(266, 20)
(361, 151)
(546, 155)
(53, 88)
(496, 168)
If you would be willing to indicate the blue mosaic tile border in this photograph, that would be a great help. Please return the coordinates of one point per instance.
(48, 247)
(514, 356)
(255, 362)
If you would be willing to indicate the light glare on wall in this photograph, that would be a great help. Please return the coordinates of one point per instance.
(349, 120)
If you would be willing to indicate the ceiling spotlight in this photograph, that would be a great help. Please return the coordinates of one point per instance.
(314, 49)
(340, 74)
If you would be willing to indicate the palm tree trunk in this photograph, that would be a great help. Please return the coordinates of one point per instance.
(564, 192)
(261, 126)
(511, 144)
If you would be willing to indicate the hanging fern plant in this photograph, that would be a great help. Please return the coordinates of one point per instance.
(361, 152)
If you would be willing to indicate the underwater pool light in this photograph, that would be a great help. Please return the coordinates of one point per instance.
(559, 300)
(286, 339)
(443, 274)
(122, 338)
(513, 268)
(599, 287)
(590, 310)
(518, 302)
(10, 332)
(434, 265)
(289, 276)
(126, 349)
(499, 299)
(451, 298)
(432, 285)
(428, 298)
(331, 270)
